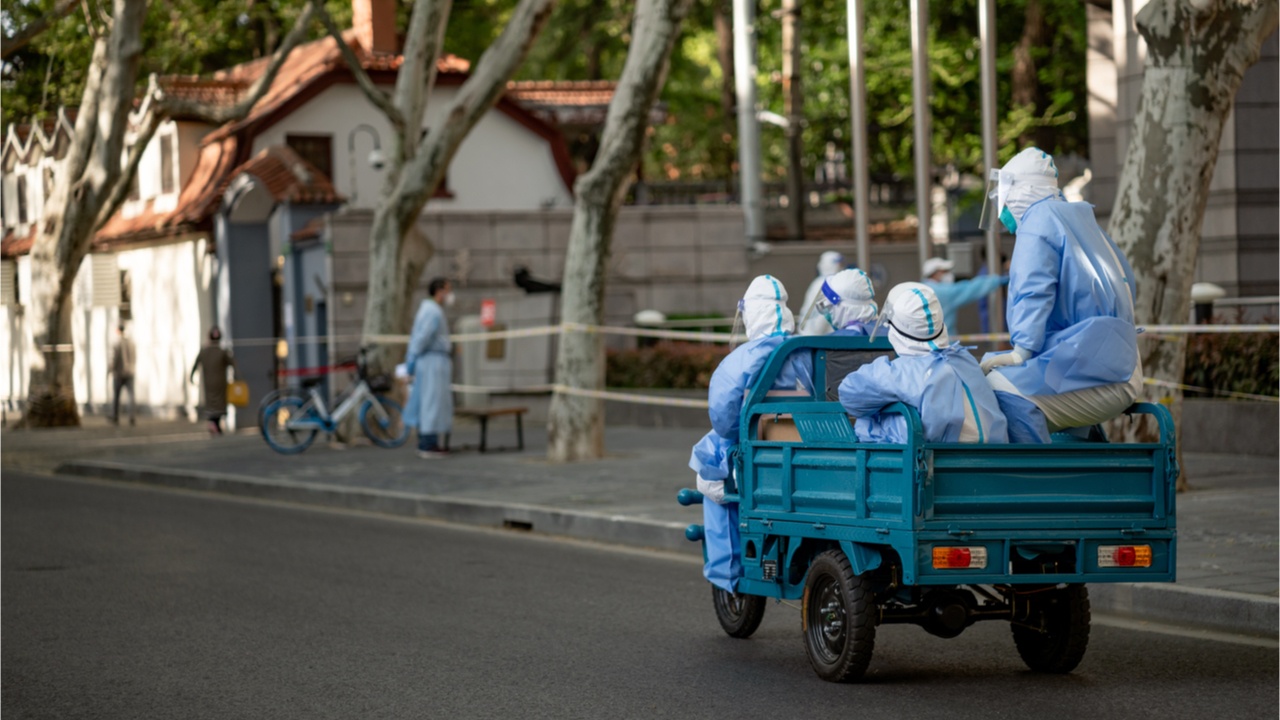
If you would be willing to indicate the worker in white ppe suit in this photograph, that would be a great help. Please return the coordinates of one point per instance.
(955, 294)
(941, 381)
(1075, 358)
(846, 304)
(768, 323)
(829, 263)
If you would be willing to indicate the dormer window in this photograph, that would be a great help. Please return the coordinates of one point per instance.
(168, 168)
(21, 192)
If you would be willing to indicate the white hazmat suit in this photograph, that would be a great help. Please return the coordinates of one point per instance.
(829, 263)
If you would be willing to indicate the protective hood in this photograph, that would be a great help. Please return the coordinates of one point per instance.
(764, 309)
(914, 316)
(1028, 178)
(852, 298)
(830, 263)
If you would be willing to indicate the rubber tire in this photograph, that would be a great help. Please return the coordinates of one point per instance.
(287, 442)
(739, 615)
(279, 394)
(1061, 647)
(832, 592)
(391, 437)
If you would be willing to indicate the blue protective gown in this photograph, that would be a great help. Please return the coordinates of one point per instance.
(940, 385)
(955, 295)
(430, 404)
(1071, 296)
(711, 456)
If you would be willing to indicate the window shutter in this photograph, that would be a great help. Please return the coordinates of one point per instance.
(106, 280)
(8, 282)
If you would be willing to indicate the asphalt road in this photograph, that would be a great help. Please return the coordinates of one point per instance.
(138, 603)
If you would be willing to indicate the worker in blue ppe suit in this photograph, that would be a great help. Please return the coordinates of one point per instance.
(845, 304)
(941, 381)
(829, 263)
(955, 294)
(768, 322)
(1075, 358)
(428, 360)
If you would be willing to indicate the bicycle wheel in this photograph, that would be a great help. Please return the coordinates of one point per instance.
(388, 431)
(276, 430)
(278, 394)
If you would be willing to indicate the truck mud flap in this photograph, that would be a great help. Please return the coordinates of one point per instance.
(862, 558)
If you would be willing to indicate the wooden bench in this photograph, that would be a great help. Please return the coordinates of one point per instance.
(484, 413)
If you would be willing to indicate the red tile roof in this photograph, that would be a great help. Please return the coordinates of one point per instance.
(288, 177)
(13, 245)
(562, 92)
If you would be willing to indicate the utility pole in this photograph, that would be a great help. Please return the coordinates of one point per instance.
(923, 122)
(744, 75)
(987, 49)
(793, 97)
(858, 112)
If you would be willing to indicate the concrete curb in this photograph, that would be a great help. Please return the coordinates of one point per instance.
(615, 529)
(1217, 610)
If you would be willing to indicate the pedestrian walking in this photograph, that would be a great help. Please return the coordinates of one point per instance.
(428, 361)
(213, 363)
(123, 356)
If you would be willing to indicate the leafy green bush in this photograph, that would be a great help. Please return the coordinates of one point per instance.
(1243, 362)
(667, 365)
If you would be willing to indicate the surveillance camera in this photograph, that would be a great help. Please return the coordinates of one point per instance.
(376, 161)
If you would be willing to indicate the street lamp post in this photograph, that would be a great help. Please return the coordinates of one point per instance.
(376, 160)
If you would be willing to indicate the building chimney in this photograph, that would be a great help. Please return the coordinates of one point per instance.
(375, 24)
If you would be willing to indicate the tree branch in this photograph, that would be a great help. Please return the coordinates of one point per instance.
(150, 123)
(19, 40)
(371, 91)
(418, 70)
(218, 115)
(477, 95)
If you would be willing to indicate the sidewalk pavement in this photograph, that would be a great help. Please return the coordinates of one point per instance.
(1228, 568)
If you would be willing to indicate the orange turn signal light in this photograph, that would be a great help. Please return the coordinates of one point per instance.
(1124, 556)
(959, 558)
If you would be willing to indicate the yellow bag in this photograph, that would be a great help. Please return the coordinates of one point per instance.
(238, 393)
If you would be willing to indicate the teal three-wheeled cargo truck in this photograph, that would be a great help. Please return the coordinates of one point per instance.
(940, 535)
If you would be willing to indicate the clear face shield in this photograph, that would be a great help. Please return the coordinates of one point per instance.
(990, 201)
(886, 315)
(739, 326)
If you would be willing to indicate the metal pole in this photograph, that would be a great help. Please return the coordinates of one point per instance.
(987, 38)
(924, 130)
(858, 120)
(744, 75)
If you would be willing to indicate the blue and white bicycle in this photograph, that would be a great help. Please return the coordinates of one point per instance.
(292, 419)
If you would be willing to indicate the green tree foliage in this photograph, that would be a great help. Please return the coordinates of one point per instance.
(588, 39)
(190, 37)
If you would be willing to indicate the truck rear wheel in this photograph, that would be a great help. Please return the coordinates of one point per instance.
(739, 615)
(839, 619)
(1057, 634)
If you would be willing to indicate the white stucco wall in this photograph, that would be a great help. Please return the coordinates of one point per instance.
(500, 166)
(170, 311)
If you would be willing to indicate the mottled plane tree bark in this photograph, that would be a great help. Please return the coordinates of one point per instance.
(94, 180)
(397, 251)
(576, 420)
(1197, 53)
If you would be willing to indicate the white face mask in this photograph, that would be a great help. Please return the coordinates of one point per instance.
(949, 277)
(450, 299)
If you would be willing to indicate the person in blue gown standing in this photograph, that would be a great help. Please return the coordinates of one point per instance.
(428, 361)
(763, 311)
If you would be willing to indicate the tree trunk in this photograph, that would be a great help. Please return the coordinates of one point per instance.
(575, 423)
(1197, 52)
(1024, 80)
(94, 182)
(793, 97)
(728, 99)
(66, 228)
(398, 252)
